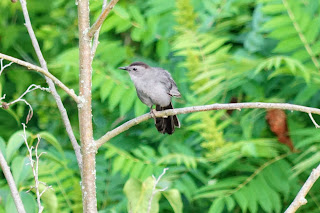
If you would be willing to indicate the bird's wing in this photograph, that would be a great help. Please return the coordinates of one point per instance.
(170, 84)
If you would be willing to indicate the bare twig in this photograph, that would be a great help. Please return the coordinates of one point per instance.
(313, 121)
(3, 97)
(101, 18)
(154, 190)
(53, 90)
(35, 168)
(30, 89)
(2, 67)
(301, 196)
(44, 72)
(237, 106)
(96, 34)
(13, 188)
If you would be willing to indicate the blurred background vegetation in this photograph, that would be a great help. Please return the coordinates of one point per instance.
(218, 51)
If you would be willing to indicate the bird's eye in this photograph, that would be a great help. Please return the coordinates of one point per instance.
(134, 69)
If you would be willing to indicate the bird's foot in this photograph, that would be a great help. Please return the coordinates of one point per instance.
(152, 112)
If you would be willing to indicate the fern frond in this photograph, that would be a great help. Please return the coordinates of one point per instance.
(298, 34)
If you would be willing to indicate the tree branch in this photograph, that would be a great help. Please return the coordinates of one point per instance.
(301, 196)
(237, 106)
(154, 190)
(2, 67)
(95, 41)
(13, 188)
(32, 87)
(35, 168)
(45, 73)
(88, 147)
(53, 90)
(101, 18)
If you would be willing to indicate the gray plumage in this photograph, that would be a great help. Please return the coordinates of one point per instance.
(155, 86)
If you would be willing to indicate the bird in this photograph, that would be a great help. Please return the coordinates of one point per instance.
(155, 86)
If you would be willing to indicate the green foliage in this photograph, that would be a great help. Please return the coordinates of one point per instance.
(217, 51)
(142, 194)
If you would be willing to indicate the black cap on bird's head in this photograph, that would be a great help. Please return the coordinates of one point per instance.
(135, 64)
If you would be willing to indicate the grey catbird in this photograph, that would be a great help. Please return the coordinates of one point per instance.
(155, 86)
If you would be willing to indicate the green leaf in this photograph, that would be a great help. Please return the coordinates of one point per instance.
(116, 96)
(49, 199)
(28, 201)
(272, 179)
(9, 121)
(163, 48)
(52, 140)
(137, 16)
(212, 194)
(139, 195)
(174, 198)
(289, 44)
(21, 169)
(217, 206)
(105, 89)
(273, 8)
(137, 169)
(118, 163)
(127, 101)
(259, 184)
(222, 166)
(139, 108)
(252, 198)
(14, 143)
(229, 201)
(240, 197)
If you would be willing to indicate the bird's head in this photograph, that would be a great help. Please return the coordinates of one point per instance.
(136, 68)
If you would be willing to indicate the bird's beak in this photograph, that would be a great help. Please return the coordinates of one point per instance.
(122, 68)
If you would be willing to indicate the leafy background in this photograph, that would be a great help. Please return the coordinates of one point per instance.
(217, 51)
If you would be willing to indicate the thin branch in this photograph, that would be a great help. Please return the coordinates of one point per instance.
(237, 106)
(301, 196)
(154, 190)
(35, 168)
(13, 188)
(313, 121)
(44, 72)
(2, 67)
(53, 90)
(301, 35)
(31, 88)
(3, 97)
(101, 18)
(96, 34)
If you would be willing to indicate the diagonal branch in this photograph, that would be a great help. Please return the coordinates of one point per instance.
(95, 41)
(13, 188)
(101, 18)
(237, 106)
(53, 90)
(301, 196)
(44, 72)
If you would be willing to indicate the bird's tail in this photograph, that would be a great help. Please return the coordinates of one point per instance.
(166, 125)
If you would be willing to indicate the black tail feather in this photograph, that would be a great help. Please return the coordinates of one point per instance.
(168, 124)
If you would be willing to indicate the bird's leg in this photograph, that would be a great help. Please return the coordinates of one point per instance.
(152, 112)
